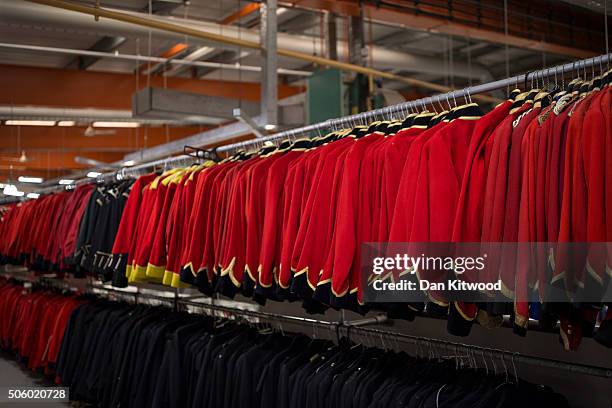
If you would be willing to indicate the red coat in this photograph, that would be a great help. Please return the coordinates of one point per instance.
(254, 212)
(234, 257)
(126, 237)
(594, 131)
(344, 241)
(270, 254)
(196, 233)
(441, 170)
(606, 102)
(314, 236)
(506, 212)
(572, 224)
(298, 188)
(157, 258)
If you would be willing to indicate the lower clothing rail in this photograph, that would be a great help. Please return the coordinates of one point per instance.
(474, 355)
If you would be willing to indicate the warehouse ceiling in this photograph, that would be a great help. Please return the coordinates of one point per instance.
(454, 43)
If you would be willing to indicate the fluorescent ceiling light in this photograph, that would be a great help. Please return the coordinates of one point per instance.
(2, 185)
(66, 123)
(30, 122)
(65, 182)
(129, 163)
(33, 195)
(116, 124)
(11, 190)
(270, 127)
(24, 179)
(93, 174)
(15, 193)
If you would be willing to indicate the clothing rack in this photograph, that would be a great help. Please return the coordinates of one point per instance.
(361, 327)
(388, 112)
(137, 294)
(576, 368)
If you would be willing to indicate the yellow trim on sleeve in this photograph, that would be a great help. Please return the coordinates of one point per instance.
(139, 273)
(155, 272)
(176, 281)
(167, 279)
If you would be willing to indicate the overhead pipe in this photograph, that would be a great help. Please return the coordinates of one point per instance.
(21, 12)
(158, 24)
(145, 58)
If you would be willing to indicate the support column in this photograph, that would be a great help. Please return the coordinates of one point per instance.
(357, 51)
(331, 35)
(269, 80)
(359, 92)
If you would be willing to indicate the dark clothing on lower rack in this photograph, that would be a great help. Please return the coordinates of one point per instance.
(116, 354)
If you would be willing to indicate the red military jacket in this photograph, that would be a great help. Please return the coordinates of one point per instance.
(441, 169)
(316, 228)
(507, 212)
(344, 239)
(254, 213)
(71, 229)
(271, 243)
(206, 258)
(153, 197)
(594, 131)
(298, 188)
(127, 227)
(178, 226)
(606, 102)
(233, 260)
(196, 232)
(572, 224)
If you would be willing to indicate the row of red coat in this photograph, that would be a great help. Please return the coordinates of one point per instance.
(288, 222)
(70, 231)
(43, 232)
(32, 324)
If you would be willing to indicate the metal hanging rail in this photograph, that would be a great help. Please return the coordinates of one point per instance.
(359, 118)
(356, 327)
(390, 111)
(577, 368)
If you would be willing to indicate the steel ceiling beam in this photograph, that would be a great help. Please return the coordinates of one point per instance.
(158, 60)
(435, 24)
(105, 44)
(295, 47)
(248, 9)
(164, 6)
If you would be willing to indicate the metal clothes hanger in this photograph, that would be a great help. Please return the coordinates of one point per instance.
(484, 360)
(516, 379)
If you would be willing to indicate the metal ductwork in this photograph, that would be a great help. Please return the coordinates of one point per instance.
(180, 105)
(20, 12)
